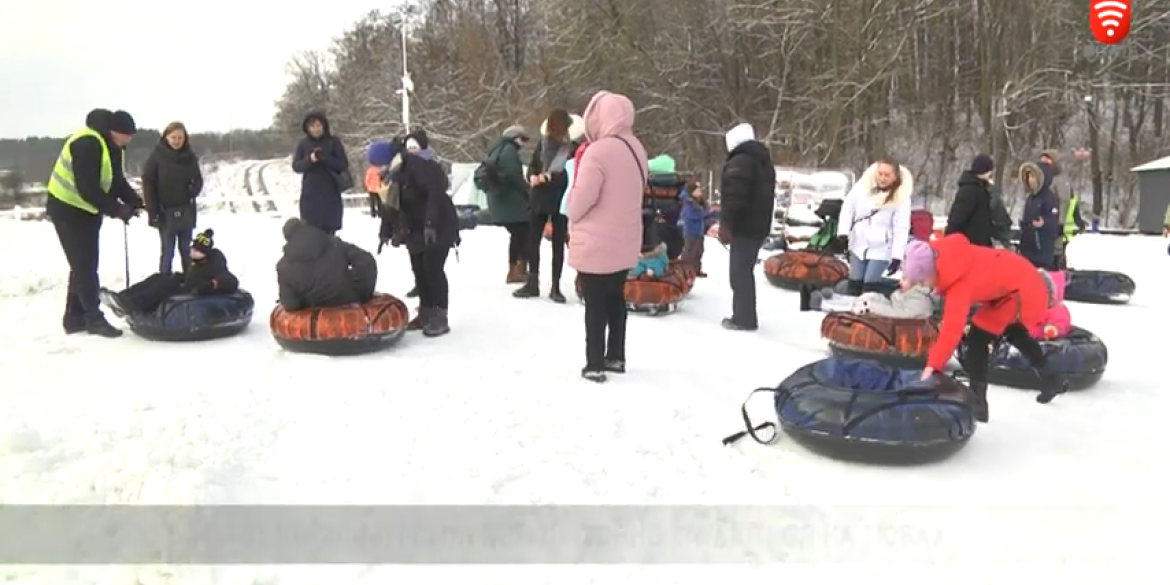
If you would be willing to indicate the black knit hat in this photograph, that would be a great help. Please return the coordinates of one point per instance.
(123, 123)
(420, 136)
(982, 164)
(204, 242)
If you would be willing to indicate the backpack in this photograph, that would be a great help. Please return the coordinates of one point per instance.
(487, 174)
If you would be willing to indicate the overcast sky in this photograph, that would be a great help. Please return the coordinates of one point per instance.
(213, 65)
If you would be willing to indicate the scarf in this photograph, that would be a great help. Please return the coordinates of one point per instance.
(553, 155)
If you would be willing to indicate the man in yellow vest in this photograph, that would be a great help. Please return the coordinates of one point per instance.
(88, 181)
(1071, 224)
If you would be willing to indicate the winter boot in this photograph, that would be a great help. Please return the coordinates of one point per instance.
(72, 326)
(1051, 385)
(806, 293)
(595, 376)
(615, 366)
(979, 408)
(517, 273)
(437, 324)
(856, 287)
(116, 302)
(413, 293)
(420, 320)
(531, 288)
(555, 293)
(102, 328)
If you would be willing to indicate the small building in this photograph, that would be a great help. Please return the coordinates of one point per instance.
(1153, 194)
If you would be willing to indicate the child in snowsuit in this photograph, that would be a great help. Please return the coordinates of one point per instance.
(910, 301)
(1057, 321)
(693, 219)
(1012, 299)
(653, 262)
(208, 275)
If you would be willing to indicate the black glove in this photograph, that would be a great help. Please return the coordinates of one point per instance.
(126, 212)
(206, 288)
(841, 242)
(429, 236)
(382, 244)
(895, 265)
(153, 220)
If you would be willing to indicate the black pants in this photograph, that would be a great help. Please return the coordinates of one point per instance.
(742, 268)
(146, 295)
(79, 233)
(430, 276)
(605, 318)
(375, 205)
(978, 349)
(172, 239)
(560, 229)
(517, 241)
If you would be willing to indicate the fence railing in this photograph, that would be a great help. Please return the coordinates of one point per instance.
(247, 203)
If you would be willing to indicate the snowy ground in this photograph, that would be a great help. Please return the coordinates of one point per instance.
(495, 414)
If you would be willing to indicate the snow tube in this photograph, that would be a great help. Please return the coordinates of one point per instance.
(864, 410)
(195, 318)
(1099, 287)
(902, 343)
(1080, 357)
(656, 296)
(790, 270)
(337, 331)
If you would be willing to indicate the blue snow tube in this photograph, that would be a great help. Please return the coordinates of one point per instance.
(1099, 287)
(195, 318)
(864, 410)
(1080, 357)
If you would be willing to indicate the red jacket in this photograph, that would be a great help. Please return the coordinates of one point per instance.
(1004, 284)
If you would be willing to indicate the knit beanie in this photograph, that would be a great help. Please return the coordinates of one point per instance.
(122, 123)
(516, 131)
(918, 263)
(380, 153)
(203, 242)
(982, 164)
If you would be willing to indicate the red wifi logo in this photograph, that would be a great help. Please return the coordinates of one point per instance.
(1109, 20)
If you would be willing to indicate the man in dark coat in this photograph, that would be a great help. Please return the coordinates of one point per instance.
(747, 201)
(318, 269)
(507, 199)
(424, 218)
(1040, 226)
(970, 213)
(324, 168)
(88, 181)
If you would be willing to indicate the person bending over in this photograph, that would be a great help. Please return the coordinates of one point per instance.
(1012, 298)
(207, 274)
(320, 270)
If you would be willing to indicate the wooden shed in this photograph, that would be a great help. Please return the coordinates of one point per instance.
(1153, 194)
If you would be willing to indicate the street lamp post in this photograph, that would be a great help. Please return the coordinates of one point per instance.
(407, 84)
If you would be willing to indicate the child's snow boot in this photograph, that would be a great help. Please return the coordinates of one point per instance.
(979, 409)
(531, 288)
(806, 293)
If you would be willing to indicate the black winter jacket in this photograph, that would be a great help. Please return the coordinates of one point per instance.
(423, 203)
(971, 211)
(212, 268)
(546, 198)
(748, 191)
(320, 270)
(171, 178)
(321, 203)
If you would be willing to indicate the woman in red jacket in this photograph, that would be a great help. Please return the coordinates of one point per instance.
(1012, 298)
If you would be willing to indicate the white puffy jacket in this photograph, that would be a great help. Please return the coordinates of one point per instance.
(878, 229)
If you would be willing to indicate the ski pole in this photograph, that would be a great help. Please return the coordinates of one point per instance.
(126, 252)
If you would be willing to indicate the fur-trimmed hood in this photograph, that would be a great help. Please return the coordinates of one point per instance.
(1037, 169)
(868, 184)
(659, 250)
(576, 129)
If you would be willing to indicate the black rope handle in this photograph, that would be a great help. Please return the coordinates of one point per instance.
(750, 429)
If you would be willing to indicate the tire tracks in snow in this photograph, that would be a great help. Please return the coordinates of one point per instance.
(232, 206)
(252, 184)
(269, 204)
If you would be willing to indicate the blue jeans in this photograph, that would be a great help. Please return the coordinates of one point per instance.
(170, 240)
(867, 270)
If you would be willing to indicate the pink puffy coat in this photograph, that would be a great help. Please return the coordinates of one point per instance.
(605, 201)
(1058, 316)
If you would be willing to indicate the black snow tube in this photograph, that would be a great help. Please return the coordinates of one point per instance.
(1099, 287)
(1080, 357)
(862, 410)
(195, 318)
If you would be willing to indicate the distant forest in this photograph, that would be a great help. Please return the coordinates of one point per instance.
(31, 159)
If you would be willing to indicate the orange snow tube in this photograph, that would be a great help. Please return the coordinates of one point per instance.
(900, 342)
(349, 330)
(790, 270)
(656, 296)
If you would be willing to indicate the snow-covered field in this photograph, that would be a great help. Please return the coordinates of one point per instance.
(495, 413)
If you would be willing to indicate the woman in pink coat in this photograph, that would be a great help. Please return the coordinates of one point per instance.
(605, 227)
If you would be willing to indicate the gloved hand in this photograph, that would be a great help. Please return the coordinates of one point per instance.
(206, 288)
(429, 236)
(382, 244)
(895, 265)
(126, 212)
(841, 242)
(153, 220)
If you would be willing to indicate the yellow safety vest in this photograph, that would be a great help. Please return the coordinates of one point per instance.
(62, 186)
(1070, 223)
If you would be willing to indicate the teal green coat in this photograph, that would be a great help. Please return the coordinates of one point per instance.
(510, 203)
